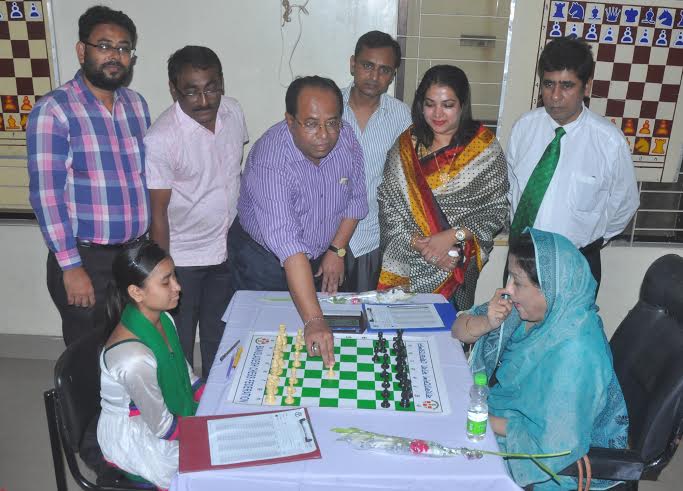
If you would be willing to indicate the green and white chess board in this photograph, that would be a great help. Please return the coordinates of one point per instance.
(356, 383)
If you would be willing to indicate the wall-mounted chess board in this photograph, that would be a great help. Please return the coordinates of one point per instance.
(638, 51)
(26, 68)
(357, 381)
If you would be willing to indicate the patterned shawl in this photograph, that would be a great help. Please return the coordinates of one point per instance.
(556, 383)
(469, 184)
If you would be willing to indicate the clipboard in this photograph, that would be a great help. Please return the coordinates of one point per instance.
(195, 453)
(445, 311)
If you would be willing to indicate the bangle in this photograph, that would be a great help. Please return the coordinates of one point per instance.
(311, 320)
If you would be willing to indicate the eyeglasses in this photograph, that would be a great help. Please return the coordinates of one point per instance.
(311, 126)
(105, 49)
(192, 96)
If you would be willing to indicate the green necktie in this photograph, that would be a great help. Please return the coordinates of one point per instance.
(535, 189)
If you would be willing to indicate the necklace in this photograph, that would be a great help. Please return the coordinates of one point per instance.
(443, 173)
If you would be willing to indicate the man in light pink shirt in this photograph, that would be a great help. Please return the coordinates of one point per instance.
(193, 156)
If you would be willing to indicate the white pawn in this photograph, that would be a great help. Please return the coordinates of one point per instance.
(592, 34)
(661, 40)
(556, 32)
(16, 11)
(679, 39)
(33, 13)
(627, 37)
(609, 35)
(296, 363)
(645, 39)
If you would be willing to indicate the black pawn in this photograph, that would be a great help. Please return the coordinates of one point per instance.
(385, 404)
(405, 403)
(384, 374)
(375, 357)
(385, 394)
(386, 384)
(385, 361)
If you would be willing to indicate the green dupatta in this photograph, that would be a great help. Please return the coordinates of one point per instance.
(172, 373)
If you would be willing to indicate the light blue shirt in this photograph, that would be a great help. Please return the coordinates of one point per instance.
(390, 119)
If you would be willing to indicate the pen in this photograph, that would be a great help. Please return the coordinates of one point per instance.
(224, 355)
(237, 357)
(230, 366)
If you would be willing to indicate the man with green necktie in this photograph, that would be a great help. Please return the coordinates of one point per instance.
(570, 169)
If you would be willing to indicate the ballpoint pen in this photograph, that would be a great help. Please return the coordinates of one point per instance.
(230, 366)
(225, 355)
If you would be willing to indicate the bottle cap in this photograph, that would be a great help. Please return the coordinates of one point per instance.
(480, 378)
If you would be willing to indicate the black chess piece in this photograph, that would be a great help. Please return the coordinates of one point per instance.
(385, 361)
(384, 345)
(386, 384)
(385, 375)
(380, 335)
(375, 357)
(385, 404)
(385, 394)
(404, 403)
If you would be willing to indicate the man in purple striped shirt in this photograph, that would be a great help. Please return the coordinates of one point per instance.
(86, 169)
(303, 192)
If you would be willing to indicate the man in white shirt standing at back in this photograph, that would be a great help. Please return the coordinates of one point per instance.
(194, 151)
(570, 169)
(377, 119)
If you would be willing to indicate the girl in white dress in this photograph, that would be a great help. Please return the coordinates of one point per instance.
(146, 383)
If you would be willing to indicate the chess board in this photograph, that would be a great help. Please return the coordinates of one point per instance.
(356, 384)
(639, 66)
(26, 67)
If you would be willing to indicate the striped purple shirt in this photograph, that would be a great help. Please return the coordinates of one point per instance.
(290, 205)
(86, 168)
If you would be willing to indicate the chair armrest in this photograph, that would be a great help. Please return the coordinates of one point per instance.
(611, 463)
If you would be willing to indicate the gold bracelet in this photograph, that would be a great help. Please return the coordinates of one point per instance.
(311, 320)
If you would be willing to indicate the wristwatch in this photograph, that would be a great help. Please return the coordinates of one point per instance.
(339, 251)
(460, 235)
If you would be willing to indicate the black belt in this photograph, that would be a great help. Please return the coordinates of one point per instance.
(94, 245)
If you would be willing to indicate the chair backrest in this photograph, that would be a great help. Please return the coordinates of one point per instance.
(77, 384)
(648, 359)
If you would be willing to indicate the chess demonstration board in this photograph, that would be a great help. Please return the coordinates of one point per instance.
(357, 381)
(26, 68)
(639, 66)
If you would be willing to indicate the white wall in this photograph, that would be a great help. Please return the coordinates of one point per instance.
(246, 36)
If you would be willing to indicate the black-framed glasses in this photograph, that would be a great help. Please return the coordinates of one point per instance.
(312, 126)
(106, 48)
(196, 96)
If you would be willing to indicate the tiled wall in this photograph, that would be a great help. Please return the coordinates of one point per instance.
(439, 31)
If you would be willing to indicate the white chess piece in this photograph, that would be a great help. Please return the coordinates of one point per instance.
(679, 39)
(645, 39)
(608, 35)
(15, 12)
(556, 32)
(33, 12)
(592, 33)
(627, 37)
(661, 40)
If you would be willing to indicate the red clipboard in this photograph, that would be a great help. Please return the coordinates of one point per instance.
(194, 444)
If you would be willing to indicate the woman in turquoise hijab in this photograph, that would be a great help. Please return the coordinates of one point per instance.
(553, 387)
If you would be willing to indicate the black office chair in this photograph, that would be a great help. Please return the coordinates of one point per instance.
(647, 348)
(72, 410)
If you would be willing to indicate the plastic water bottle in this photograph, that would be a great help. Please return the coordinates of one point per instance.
(478, 409)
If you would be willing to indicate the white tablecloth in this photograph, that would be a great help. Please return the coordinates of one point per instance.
(342, 467)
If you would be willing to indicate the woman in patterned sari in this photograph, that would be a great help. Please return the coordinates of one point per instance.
(443, 195)
(553, 386)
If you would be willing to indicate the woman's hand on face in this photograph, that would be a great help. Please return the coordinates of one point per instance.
(499, 309)
(435, 246)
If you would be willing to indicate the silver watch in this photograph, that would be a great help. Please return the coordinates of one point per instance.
(460, 235)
